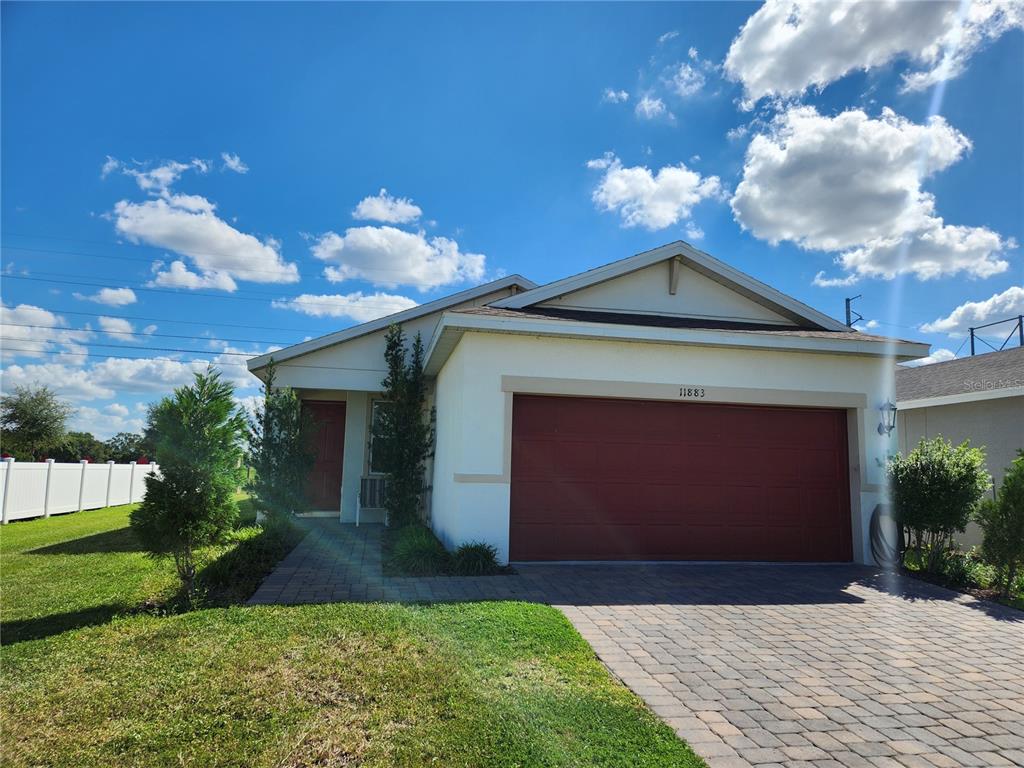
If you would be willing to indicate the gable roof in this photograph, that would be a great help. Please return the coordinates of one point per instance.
(330, 339)
(707, 265)
(993, 374)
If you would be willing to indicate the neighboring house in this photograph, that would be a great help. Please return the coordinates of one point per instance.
(978, 398)
(662, 407)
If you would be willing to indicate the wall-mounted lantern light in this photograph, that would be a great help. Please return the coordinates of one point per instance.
(888, 423)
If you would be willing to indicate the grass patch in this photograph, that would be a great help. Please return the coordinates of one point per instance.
(484, 684)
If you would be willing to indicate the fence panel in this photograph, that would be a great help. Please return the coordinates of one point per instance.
(35, 489)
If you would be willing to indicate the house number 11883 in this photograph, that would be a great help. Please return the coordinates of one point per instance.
(691, 391)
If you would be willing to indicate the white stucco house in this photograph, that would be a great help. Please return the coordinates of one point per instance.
(662, 407)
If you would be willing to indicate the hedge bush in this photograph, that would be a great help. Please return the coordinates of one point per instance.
(416, 551)
(476, 559)
(1002, 521)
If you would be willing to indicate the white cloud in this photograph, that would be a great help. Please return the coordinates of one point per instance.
(233, 162)
(389, 257)
(44, 336)
(938, 356)
(737, 133)
(614, 97)
(157, 179)
(188, 224)
(650, 107)
(177, 275)
(823, 281)
(693, 232)
(357, 306)
(116, 409)
(116, 327)
(149, 329)
(106, 422)
(685, 80)
(998, 306)
(853, 184)
(670, 35)
(650, 200)
(789, 46)
(112, 297)
(386, 208)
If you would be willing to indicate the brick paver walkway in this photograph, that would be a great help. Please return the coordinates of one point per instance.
(752, 664)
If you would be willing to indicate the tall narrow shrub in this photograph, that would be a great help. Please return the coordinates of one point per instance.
(1002, 522)
(402, 434)
(935, 489)
(198, 433)
(280, 448)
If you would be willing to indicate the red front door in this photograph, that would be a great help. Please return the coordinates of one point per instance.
(596, 479)
(324, 486)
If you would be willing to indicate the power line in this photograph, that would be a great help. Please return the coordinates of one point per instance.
(140, 333)
(261, 297)
(212, 363)
(181, 322)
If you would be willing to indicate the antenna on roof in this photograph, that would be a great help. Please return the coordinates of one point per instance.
(850, 312)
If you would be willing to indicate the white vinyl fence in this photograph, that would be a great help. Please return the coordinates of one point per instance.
(44, 488)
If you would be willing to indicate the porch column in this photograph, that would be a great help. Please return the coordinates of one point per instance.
(356, 437)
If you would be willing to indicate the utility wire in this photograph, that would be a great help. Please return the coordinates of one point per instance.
(140, 333)
(181, 322)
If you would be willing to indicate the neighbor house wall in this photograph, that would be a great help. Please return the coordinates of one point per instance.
(474, 410)
(996, 424)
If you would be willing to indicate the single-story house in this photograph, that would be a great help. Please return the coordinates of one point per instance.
(978, 398)
(662, 407)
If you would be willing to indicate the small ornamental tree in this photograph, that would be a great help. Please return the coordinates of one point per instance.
(190, 503)
(1002, 522)
(402, 433)
(935, 489)
(281, 449)
(33, 420)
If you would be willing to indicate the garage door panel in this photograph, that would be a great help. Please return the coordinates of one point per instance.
(620, 479)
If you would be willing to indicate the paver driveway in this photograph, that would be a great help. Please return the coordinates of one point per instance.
(754, 664)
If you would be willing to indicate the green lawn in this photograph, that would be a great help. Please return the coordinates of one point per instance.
(97, 683)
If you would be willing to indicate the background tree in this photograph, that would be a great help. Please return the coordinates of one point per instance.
(935, 489)
(33, 420)
(125, 447)
(80, 445)
(190, 503)
(281, 449)
(1002, 521)
(402, 434)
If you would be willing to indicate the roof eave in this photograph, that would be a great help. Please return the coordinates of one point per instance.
(259, 362)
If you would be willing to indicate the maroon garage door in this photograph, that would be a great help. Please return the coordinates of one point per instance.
(596, 479)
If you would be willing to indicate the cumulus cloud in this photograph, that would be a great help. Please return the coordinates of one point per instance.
(650, 200)
(853, 184)
(938, 356)
(613, 96)
(189, 225)
(685, 79)
(112, 297)
(154, 179)
(971, 314)
(233, 162)
(389, 257)
(35, 332)
(693, 232)
(105, 422)
(177, 275)
(357, 306)
(388, 209)
(649, 107)
(789, 46)
(116, 327)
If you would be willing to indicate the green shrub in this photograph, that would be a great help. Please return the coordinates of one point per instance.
(935, 489)
(967, 569)
(417, 552)
(475, 559)
(1002, 521)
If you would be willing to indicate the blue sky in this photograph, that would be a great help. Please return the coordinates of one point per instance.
(221, 160)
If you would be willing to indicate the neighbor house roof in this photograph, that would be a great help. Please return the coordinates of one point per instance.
(329, 340)
(707, 265)
(980, 377)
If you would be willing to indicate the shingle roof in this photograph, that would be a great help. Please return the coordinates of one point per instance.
(665, 321)
(980, 373)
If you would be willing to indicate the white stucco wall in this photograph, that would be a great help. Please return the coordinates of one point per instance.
(474, 401)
